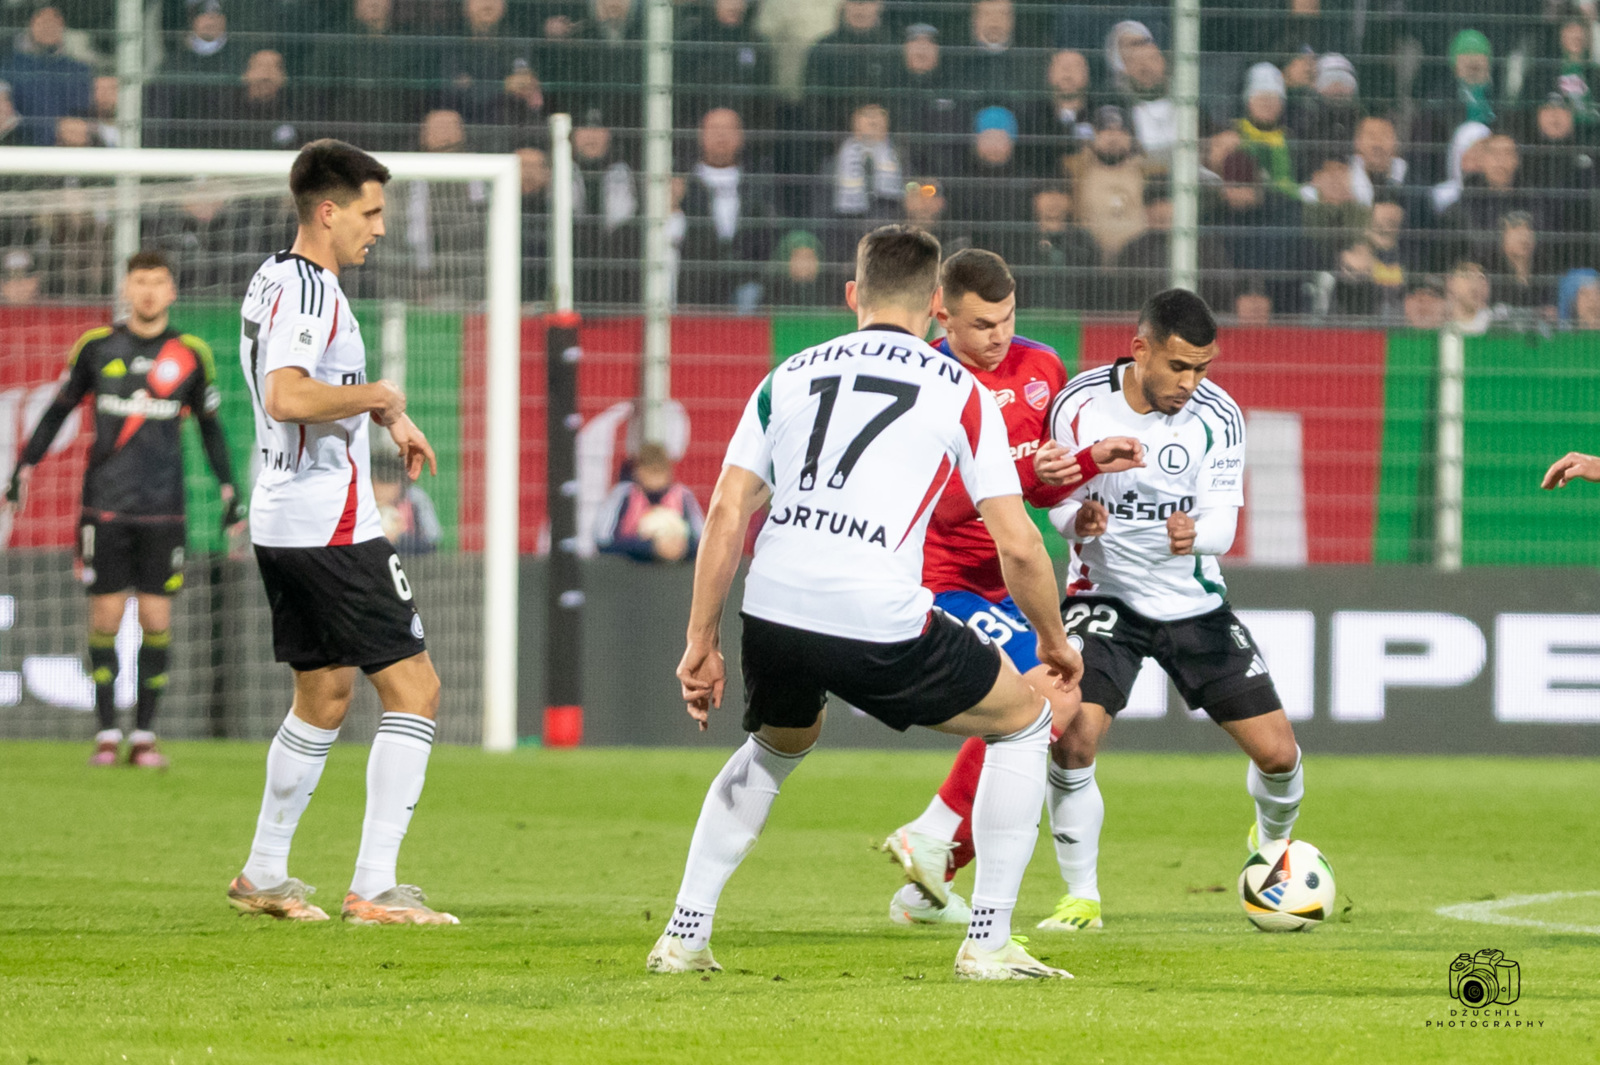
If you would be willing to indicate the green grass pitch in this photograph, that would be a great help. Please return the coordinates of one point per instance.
(116, 943)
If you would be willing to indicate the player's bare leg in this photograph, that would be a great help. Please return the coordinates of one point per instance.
(937, 845)
(735, 810)
(1014, 720)
(1275, 779)
(105, 617)
(1077, 813)
(295, 762)
(396, 770)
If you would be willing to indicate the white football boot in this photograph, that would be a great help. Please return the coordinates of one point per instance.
(925, 861)
(910, 906)
(672, 955)
(1010, 962)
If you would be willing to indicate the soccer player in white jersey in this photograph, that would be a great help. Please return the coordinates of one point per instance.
(340, 601)
(853, 442)
(1144, 580)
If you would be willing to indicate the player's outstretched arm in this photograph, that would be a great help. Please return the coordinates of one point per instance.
(738, 495)
(294, 396)
(1032, 583)
(1570, 467)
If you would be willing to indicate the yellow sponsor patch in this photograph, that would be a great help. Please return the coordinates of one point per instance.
(114, 368)
(174, 582)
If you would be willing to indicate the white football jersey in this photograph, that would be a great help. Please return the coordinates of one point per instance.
(314, 488)
(857, 437)
(1194, 461)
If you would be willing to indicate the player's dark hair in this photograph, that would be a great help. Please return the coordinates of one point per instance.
(148, 260)
(980, 272)
(330, 169)
(1177, 312)
(897, 264)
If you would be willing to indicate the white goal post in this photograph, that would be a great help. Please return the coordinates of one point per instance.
(501, 175)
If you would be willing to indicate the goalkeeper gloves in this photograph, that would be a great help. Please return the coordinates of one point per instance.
(233, 509)
(17, 488)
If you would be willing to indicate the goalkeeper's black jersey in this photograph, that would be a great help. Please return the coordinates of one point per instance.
(142, 389)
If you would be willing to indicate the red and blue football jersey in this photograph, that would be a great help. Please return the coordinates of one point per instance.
(959, 554)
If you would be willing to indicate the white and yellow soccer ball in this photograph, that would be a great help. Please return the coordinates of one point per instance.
(1287, 886)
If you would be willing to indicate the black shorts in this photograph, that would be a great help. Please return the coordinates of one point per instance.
(789, 672)
(340, 606)
(144, 556)
(1212, 659)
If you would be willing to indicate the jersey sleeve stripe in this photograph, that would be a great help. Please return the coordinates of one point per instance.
(202, 352)
(972, 418)
(97, 333)
(1223, 404)
(1230, 427)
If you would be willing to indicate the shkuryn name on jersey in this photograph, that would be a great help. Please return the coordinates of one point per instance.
(947, 368)
(832, 522)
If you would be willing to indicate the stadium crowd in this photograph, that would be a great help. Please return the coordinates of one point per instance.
(1420, 161)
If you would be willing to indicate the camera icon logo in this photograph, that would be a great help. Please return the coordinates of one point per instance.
(1487, 978)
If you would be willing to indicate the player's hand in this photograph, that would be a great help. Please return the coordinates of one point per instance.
(1054, 465)
(1570, 467)
(390, 405)
(1062, 660)
(17, 488)
(1117, 453)
(702, 675)
(233, 510)
(1091, 520)
(414, 448)
(1180, 533)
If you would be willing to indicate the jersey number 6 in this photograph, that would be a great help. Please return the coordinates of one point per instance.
(904, 397)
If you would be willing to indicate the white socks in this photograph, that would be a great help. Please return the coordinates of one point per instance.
(731, 818)
(294, 765)
(1076, 814)
(395, 772)
(1277, 797)
(937, 821)
(1005, 826)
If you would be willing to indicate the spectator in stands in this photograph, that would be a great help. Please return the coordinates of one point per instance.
(1139, 75)
(925, 206)
(1053, 259)
(1425, 305)
(19, 282)
(1465, 165)
(1465, 96)
(923, 105)
(798, 278)
(1466, 293)
(1561, 169)
(1580, 299)
(859, 55)
(75, 132)
(1144, 265)
(46, 82)
(1260, 230)
(535, 223)
(988, 195)
(258, 113)
(103, 109)
(1108, 182)
(410, 520)
(488, 75)
(1578, 76)
(1371, 278)
(202, 66)
(441, 223)
(606, 208)
(204, 241)
(725, 212)
(868, 172)
(1376, 164)
(992, 68)
(1056, 122)
(650, 516)
(370, 70)
(1327, 119)
(1252, 306)
(1261, 132)
(1331, 214)
(1474, 220)
(722, 59)
(11, 131)
(1521, 281)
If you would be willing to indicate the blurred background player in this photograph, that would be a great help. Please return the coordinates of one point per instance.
(853, 441)
(1145, 581)
(650, 516)
(961, 565)
(340, 600)
(145, 377)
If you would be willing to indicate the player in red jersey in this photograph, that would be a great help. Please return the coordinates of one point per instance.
(961, 565)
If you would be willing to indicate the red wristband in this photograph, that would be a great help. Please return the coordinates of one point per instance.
(1088, 469)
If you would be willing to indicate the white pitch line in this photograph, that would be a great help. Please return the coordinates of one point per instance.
(1490, 912)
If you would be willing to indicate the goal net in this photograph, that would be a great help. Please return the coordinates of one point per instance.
(438, 312)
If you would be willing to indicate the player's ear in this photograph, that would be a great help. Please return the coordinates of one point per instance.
(850, 295)
(936, 305)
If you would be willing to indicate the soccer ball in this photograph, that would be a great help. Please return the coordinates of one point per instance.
(1287, 886)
